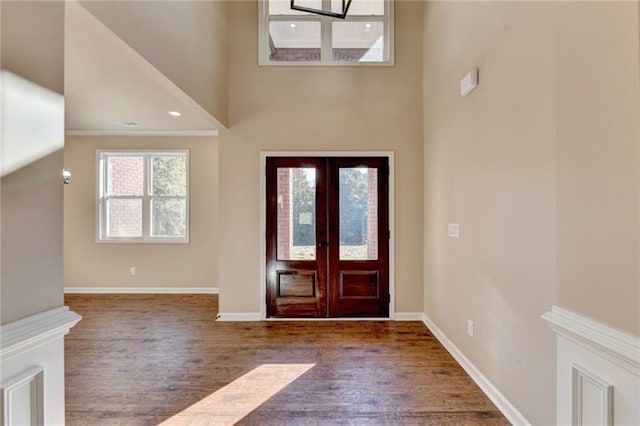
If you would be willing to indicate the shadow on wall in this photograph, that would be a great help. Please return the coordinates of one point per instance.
(32, 122)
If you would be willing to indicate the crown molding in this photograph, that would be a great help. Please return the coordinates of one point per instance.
(616, 346)
(142, 133)
(22, 335)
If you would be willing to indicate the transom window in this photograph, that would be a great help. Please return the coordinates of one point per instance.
(143, 196)
(291, 37)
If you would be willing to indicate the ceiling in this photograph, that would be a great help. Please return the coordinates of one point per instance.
(108, 86)
(306, 34)
(357, 8)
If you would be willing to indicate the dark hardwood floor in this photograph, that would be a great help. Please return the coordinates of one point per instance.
(140, 360)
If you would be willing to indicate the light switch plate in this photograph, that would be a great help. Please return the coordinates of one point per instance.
(454, 230)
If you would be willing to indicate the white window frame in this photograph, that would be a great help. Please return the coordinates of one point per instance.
(326, 35)
(101, 198)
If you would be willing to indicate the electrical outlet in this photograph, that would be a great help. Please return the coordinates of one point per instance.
(470, 328)
(453, 230)
(133, 270)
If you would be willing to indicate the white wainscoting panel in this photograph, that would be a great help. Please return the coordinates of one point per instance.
(32, 368)
(23, 398)
(592, 400)
(598, 371)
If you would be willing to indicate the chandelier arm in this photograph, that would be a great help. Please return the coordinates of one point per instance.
(345, 8)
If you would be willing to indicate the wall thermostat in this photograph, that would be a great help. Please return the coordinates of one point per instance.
(469, 82)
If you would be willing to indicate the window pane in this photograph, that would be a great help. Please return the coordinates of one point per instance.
(168, 217)
(296, 213)
(358, 41)
(124, 217)
(358, 213)
(294, 41)
(360, 7)
(283, 7)
(169, 175)
(125, 175)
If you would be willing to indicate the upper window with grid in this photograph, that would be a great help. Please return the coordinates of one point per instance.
(291, 37)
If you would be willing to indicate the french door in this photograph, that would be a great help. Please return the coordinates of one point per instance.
(327, 237)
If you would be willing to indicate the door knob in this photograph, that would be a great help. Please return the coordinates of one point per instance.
(322, 244)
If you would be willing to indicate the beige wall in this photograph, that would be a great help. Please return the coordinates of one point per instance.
(31, 202)
(536, 165)
(598, 138)
(89, 264)
(317, 108)
(33, 41)
(185, 40)
(32, 239)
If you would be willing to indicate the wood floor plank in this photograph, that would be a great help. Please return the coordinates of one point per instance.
(140, 360)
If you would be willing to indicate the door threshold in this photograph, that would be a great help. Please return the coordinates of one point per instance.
(330, 319)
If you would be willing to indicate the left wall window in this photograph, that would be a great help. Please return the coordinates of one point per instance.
(143, 196)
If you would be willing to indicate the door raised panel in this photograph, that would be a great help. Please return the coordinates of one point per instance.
(296, 283)
(359, 284)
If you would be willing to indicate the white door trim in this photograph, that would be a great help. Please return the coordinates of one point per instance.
(263, 214)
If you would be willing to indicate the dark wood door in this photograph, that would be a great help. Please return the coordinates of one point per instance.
(359, 237)
(296, 237)
(327, 237)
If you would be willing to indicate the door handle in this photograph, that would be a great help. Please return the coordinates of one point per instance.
(322, 244)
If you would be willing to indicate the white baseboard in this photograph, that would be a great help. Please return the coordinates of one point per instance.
(241, 316)
(408, 316)
(141, 290)
(501, 402)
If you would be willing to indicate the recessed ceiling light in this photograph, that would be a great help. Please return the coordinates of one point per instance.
(292, 26)
(367, 26)
(175, 113)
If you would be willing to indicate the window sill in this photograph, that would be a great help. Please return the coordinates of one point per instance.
(325, 64)
(143, 241)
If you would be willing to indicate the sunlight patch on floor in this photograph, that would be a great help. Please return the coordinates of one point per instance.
(230, 404)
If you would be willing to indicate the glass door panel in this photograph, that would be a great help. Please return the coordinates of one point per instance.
(358, 213)
(296, 204)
